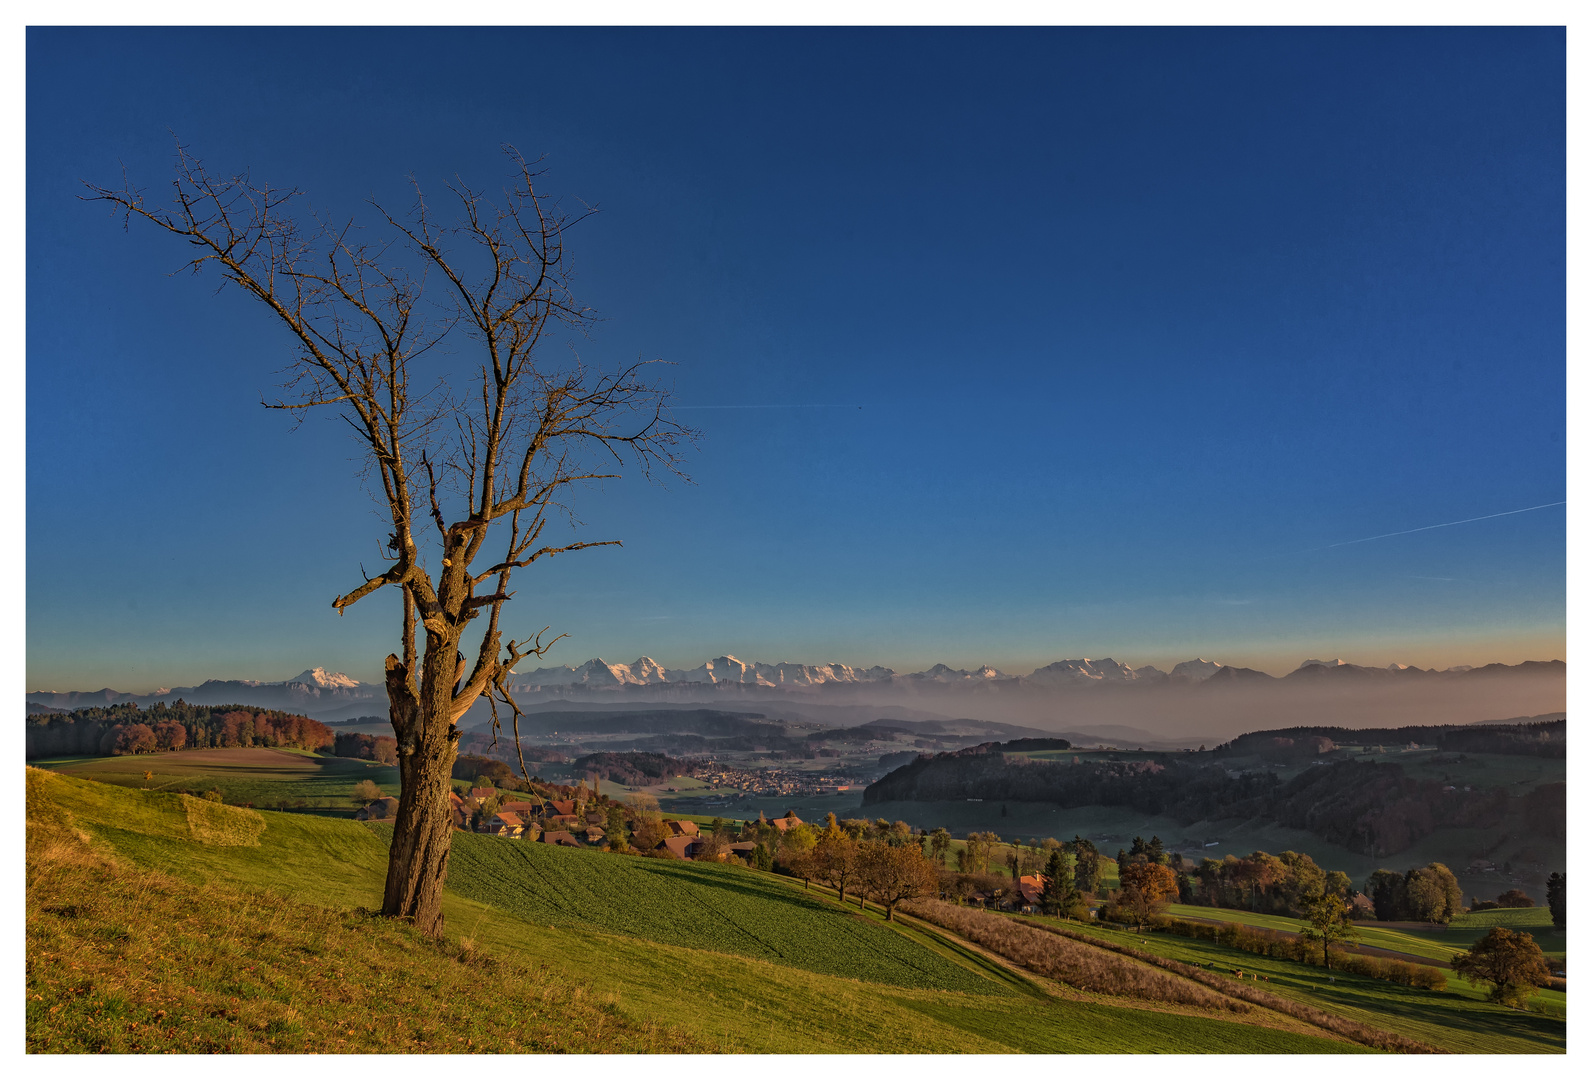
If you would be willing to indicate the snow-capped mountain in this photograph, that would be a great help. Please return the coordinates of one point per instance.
(941, 673)
(1197, 670)
(322, 679)
(1082, 672)
(722, 669)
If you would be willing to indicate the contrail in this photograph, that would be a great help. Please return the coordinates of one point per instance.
(680, 408)
(1444, 525)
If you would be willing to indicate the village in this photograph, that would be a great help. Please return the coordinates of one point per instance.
(787, 782)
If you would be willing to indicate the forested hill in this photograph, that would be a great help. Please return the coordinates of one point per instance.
(1536, 736)
(1367, 806)
(127, 729)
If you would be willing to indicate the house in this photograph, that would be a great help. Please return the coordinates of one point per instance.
(562, 807)
(595, 835)
(786, 823)
(479, 794)
(560, 838)
(743, 850)
(682, 828)
(506, 823)
(1030, 887)
(595, 817)
(564, 820)
(524, 807)
(684, 846)
(380, 810)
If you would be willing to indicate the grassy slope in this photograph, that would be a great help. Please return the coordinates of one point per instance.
(124, 959)
(1458, 1020)
(256, 776)
(1425, 944)
(727, 909)
(720, 1000)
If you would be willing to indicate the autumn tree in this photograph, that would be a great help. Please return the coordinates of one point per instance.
(836, 858)
(366, 791)
(980, 850)
(428, 337)
(940, 843)
(1512, 962)
(1146, 888)
(890, 873)
(1433, 894)
(1327, 919)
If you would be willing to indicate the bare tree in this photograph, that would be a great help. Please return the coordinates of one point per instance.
(428, 338)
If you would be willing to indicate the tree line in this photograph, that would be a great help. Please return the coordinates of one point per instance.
(103, 730)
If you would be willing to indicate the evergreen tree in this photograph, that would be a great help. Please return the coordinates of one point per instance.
(1556, 899)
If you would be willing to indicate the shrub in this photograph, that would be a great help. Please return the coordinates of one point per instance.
(1398, 972)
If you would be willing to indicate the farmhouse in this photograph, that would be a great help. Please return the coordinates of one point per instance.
(1029, 889)
(380, 810)
(682, 828)
(786, 823)
(560, 838)
(684, 846)
(506, 823)
(562, 807)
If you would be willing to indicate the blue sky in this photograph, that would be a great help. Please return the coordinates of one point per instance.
(1116, 332)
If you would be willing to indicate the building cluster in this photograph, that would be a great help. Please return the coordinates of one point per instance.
(786, 782)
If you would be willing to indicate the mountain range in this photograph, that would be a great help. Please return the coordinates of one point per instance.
(321, 693)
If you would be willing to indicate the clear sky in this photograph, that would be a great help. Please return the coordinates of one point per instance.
(1115, 334)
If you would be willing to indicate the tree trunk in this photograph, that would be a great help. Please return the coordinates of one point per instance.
(417, 863)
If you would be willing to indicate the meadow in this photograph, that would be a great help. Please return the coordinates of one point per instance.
(1457, 1020)
(1414, 940)
(722, 908)
(655, 994)
(274, 778)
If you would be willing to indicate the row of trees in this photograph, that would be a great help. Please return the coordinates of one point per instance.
(1260, 881)
(1427, 893)
(872, 867)
(127, 729)
(356, 744)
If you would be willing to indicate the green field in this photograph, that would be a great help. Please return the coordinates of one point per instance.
(275, 778)
(1458, 1020)
(1434, 944)
(726, 909)
(724, 1000)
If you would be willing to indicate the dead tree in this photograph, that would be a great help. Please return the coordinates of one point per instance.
(429, 337)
